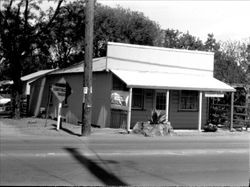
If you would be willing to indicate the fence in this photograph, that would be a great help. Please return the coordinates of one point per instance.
(219, 112)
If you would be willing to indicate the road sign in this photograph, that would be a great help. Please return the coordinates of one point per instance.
(59, 89)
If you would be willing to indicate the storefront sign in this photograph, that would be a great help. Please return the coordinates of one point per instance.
(119, 100)
(214, 94)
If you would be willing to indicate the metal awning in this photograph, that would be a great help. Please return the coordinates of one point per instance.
(173, 81)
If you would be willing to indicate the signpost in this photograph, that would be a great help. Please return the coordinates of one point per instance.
(61, 90)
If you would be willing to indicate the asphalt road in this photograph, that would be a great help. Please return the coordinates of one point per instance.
(125, 160)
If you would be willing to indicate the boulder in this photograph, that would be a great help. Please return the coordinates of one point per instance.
(147, 129)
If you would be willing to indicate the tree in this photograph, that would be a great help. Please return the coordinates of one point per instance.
(122, 25)
(239, 50)
(171, 38)
(211, 44)
(67, 46)
(187, 41)
(231, 62)
(248, 64)
(176, 39)
(23, 36)
(227, 70)
(110, 24)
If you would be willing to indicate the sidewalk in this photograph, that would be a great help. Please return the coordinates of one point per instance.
(37, 127)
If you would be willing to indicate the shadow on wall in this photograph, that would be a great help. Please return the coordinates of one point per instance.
(102, 174)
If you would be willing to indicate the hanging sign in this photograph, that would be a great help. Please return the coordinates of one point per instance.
(214, 94)
(119, 100)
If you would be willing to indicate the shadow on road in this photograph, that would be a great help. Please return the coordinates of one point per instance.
(103, 175)
(69, 131)
(65, 130)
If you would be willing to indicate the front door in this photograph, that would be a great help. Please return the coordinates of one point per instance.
(161, 102)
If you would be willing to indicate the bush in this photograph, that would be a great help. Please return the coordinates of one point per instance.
(157, 117)
(210, 127)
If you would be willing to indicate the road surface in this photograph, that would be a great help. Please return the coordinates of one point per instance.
(124, 160)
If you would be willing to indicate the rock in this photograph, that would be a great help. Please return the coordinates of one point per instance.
(149, 130)
(137, 129)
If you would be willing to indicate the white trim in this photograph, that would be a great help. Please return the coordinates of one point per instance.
(232, 111)
(59, 115)
(200, 111)
(167, 106)
(160, 48)
(129, 109)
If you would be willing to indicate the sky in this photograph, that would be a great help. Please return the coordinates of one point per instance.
(227, 20)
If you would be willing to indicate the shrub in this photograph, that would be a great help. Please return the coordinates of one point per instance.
(157, 117)
(209, 127)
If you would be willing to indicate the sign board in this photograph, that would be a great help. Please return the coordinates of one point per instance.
(119, 100)
(214, 94)
(61, 89)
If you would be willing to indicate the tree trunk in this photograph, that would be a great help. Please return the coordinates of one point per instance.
(16, 98)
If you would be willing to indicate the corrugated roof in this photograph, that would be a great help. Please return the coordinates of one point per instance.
(99, 64)
(36, 74)
(173, 81)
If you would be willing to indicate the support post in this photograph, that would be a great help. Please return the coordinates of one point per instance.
(200, 111)
(87, 79)
(59, 115)
(232, 111)
(167, 106)
(129, 109)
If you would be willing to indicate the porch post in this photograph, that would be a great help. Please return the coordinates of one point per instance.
(167, 106)
(232, 111)
(200, 111)
(129, 110)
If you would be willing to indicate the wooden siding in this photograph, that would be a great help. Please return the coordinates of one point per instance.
(101, 99)
(145, 113)
(178, 119)
(72, 111)
(101, 115)
(185, 119)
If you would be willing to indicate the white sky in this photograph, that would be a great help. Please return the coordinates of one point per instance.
(227, 20)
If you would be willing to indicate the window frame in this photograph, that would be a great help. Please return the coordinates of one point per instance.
(164, 103)
(142, 99)
(196, 98)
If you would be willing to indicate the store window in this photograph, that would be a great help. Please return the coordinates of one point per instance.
(137, 98)
(188, 100)
(160, 100)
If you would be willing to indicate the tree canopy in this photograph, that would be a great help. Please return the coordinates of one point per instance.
(23, 41)
(110, 24)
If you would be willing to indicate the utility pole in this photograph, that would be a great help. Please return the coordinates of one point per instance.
(87, 78)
